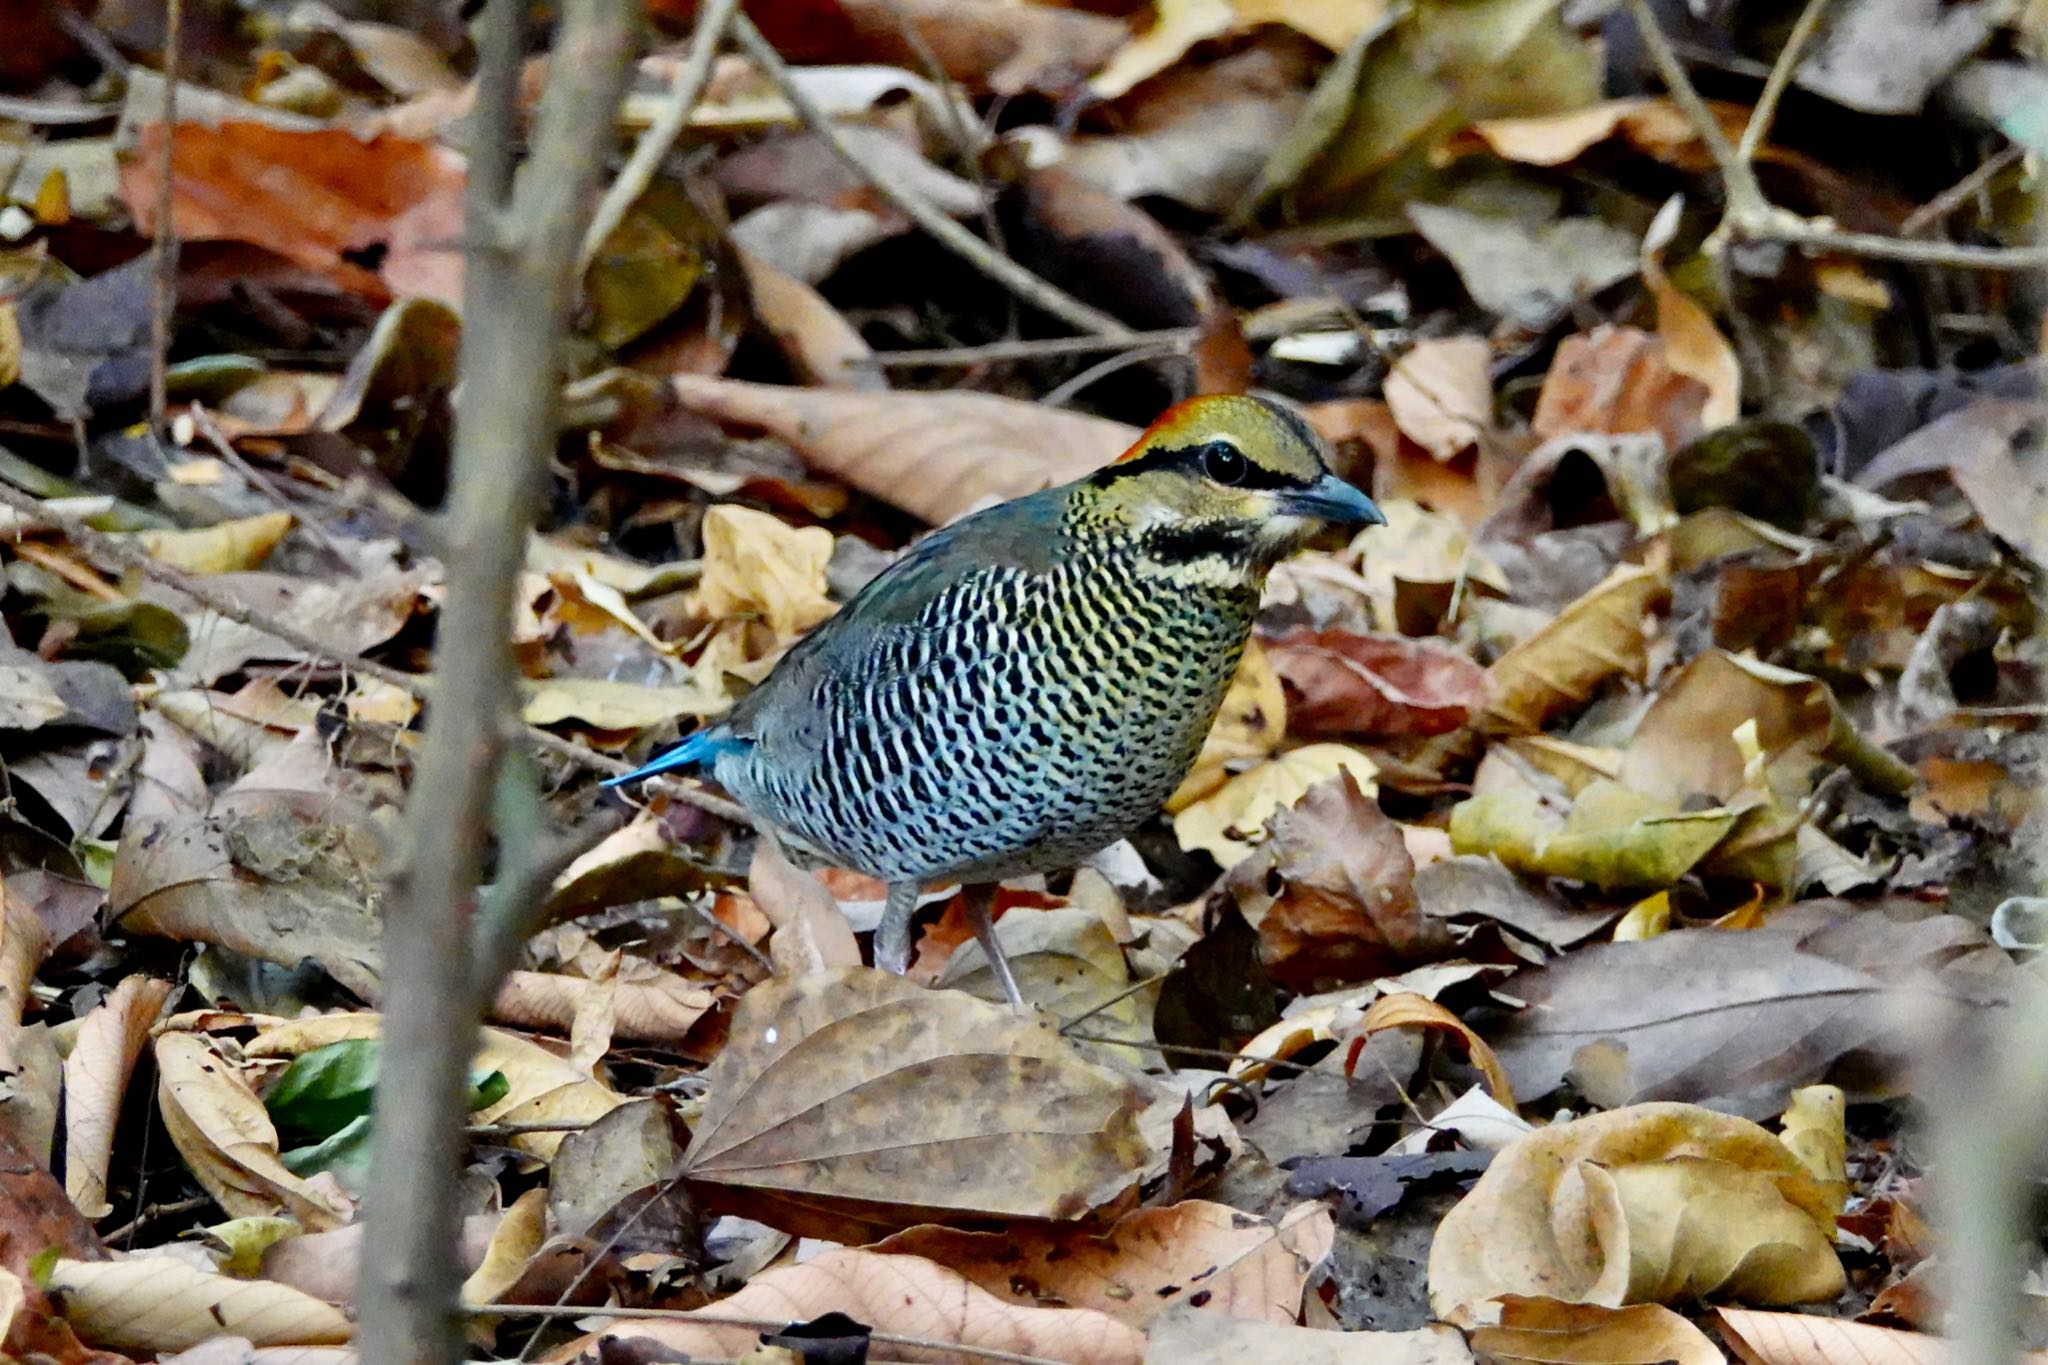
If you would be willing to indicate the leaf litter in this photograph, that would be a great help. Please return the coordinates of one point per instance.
(1662, 771)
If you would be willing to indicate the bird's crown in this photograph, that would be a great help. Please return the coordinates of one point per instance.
(1239, 478)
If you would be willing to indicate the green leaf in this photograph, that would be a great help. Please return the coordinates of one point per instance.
(326, 1090)
(486, 1090)
(345, 1156)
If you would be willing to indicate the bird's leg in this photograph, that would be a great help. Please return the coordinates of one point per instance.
(892, 935)
(980, 913)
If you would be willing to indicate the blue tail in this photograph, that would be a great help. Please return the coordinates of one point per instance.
(699, 750)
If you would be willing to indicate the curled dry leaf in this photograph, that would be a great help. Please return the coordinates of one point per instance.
(759, 565)
(1148, 1262)
(1374, 687)
(1405, 1009)
(905, 1295)
(1816, 1131)
(1597, 638)
(824, 347)
(1441, 394)
(936, 455)
(1652, 125)
(1555, 1333)
(811, 935)
(227, 1140)
(647, 1004)
(859, 1090)
(519, 1234)
(165, 1303)
(24, 943)
(1230, 821)
(1693, 345)
(1331, 892)
(1655, 1203)
(103, 1057)
(1185, 1336)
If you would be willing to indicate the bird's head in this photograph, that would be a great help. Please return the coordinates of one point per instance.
(1237, 479)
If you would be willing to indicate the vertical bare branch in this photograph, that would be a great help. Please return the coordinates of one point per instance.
(518, 288)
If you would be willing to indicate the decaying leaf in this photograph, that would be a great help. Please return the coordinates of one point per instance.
(229, 547)
(1656, 1203)
(757, 565)
(907, 1295)
(1186, 1337)
(1612, 837)
(1441, 394)
(1240, 1266)
(859, 1092)
(1374, 687)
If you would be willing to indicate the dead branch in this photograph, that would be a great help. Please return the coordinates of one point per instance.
(518, 288)
(1748, 216)
(949, 234)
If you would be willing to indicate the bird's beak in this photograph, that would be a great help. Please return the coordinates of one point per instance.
(1331, 499)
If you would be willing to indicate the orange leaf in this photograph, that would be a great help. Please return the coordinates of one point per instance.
(1408, 1010)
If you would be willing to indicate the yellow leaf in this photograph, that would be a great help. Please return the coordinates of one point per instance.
(518, 1235)
(1231, 819)
(614, 705)
(1815, 1131)
(229, 547)
(1596, 638)
(160, 1304)
(1647, 918)
(757, 565)
(1614, 838)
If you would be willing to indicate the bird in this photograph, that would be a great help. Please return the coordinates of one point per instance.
(1027, 685)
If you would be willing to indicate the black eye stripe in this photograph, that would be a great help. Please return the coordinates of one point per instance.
(1191, 458)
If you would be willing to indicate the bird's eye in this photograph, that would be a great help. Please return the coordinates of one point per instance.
(1224, 462)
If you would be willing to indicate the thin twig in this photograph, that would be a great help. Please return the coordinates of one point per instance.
(997, 351)
(516, 1310)
(1766, 111)
(1071, 388)
(1118, 998)
(1949, 200)
(949, 234)
(1750, 217)
(164, 296)
(659, 138)
(265, 486)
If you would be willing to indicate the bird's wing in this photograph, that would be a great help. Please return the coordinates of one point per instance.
(878, 636)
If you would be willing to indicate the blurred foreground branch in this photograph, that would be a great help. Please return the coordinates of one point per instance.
(522, 232)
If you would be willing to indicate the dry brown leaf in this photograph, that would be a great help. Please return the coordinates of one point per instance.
(861, 1091)
(1693, 345)
(824, 347)
(24, 943)
(811, 935)
(519, 1234)
(936, 455)
(226, 547)
(315, 197)
(604, 704)
(1800, 1339)
(646, 1004)
(1239, 1265)
(103, 1056)
(1596, 638)
(1654, 1203)
(905, 1295)
(1618, 379)
(1406, 1009)
(1331, 892)
(1548, 1332)
(1181, 24)
(165, 1303)
(226, 1138)
(1185, 1336)
(1653, 125)
(1373, 687)
(1441, 394)
(1230, 821)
